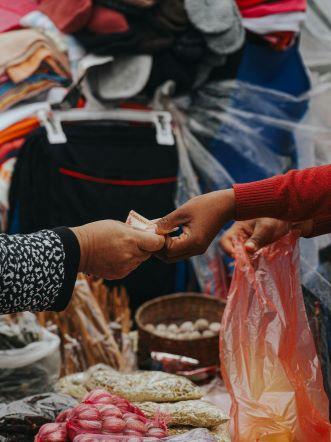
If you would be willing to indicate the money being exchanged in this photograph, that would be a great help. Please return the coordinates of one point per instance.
(141, 223)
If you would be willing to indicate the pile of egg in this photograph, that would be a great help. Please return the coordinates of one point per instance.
(188, 330)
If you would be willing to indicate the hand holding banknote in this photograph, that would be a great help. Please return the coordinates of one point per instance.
(112, 250)
(201, 218)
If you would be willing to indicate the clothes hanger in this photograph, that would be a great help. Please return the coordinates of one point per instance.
(52, 121)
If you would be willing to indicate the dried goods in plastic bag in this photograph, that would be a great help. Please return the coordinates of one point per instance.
(268, 356)
(74, 384)
(200, 414)
(112, 438)
(149, 386)
(197, 435)
(220, 433)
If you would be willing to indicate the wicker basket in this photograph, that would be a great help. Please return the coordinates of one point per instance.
(177, 309)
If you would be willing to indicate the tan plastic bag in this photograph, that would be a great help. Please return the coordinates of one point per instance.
(200, 414)
(149, 386)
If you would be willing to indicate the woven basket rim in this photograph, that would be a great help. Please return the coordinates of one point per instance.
(221, 302)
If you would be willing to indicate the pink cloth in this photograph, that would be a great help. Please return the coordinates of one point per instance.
(12, 11)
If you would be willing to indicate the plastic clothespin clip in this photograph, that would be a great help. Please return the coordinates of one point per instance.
(53, 126)
(164, 135)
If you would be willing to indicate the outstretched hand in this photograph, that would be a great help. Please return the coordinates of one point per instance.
(201, 218)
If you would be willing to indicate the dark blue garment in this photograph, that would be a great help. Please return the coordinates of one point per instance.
(280, 71)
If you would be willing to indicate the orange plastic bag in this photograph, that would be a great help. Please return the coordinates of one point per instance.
(268, 356)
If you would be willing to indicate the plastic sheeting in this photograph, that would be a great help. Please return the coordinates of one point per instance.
(28, 366)
(208, 267)
(315, 41)
(268, 356)
(237, 132)
(255, 133)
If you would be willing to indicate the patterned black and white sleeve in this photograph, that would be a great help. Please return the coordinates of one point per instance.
(38, 271)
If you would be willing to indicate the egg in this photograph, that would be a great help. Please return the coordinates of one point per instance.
(201, 324)
(173, 328)
(215, 327)
(161, 327)
(187, 326)
(150, 328)
(208, 334)
(195, 335)
(170, 335)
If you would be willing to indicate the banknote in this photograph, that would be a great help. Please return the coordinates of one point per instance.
(141, 223)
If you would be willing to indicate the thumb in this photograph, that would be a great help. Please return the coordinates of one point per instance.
(149, 242)
(170, 222)
(261, 236)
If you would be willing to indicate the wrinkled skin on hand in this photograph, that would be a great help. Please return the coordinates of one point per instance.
(112, 250)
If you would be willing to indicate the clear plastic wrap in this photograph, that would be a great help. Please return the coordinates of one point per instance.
(30, 358)
(149, 386)
(255, 133)
(268, 356)
(20, 420)
(315, 39)
(208, 267)
(237, 132)
(200, 414)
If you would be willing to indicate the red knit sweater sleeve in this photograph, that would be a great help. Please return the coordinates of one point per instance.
(296, 196)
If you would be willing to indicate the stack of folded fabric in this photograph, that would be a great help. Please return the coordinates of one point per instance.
(187, 39)
(278, 20)
(30, 63)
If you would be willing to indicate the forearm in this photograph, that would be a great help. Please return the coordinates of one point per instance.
(295, 196)
(38, 271)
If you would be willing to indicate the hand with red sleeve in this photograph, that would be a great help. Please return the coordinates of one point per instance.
(302, 197)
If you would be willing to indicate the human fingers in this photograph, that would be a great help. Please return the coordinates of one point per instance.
(189, 243)
(240, 229)
(149, 242)
(226, 243)
(171, 221)
(266, 231)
